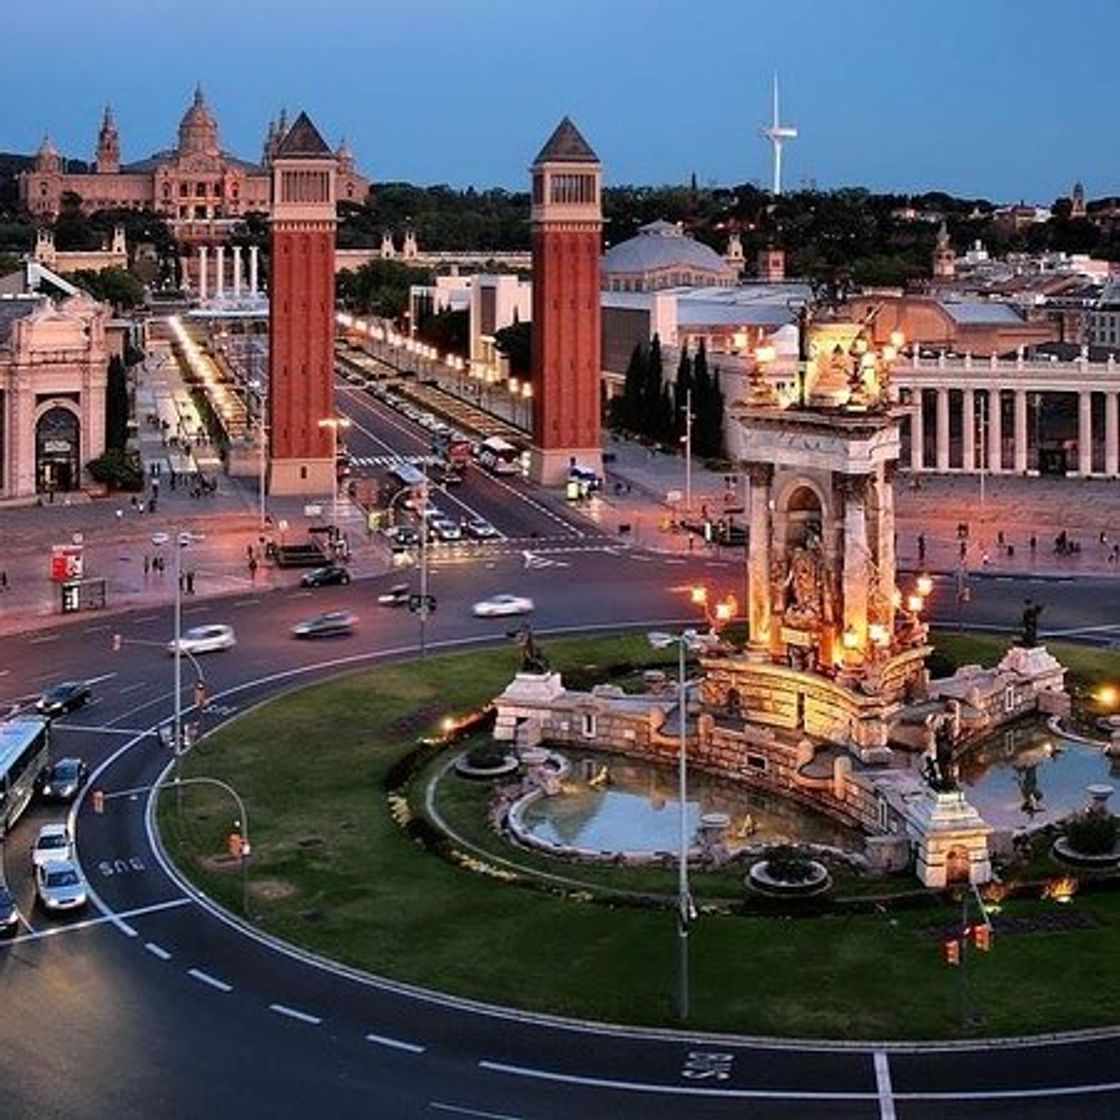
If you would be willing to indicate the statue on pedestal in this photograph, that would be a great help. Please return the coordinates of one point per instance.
(533, 659)
(940, 768)
(1031, 611)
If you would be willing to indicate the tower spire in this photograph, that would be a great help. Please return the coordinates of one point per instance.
(777, 134)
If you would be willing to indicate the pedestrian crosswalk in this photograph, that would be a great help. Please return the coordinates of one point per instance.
(394, 460)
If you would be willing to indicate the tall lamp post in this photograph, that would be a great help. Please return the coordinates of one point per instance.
(686, 640)
(334, 423)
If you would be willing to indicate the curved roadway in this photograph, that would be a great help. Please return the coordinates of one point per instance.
(155, 1005)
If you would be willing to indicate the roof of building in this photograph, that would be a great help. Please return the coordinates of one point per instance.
(661, 245)
(977, 312)
(303, 141)
(13, 308)
(153, 163)
(566, 145)
(1110, 296)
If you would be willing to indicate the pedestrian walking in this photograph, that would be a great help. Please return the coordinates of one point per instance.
(3, 581)
(147, 564)
(252, 567)
(921, 548)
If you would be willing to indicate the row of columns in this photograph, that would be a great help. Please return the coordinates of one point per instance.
(220, 271)
(982, 417)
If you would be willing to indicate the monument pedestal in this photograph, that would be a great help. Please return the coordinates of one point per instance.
(951, 838)
(525, 698)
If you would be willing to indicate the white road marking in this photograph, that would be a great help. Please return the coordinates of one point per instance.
(133, 687)
(292, 1013)
(116, 919)
(42, 640)
(459, 1110)
(154, 949)
(206, 978)
(147, 618)
(395, 1043)
(883, 1085)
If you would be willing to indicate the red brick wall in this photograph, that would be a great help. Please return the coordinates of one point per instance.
(301, 355)
(566, 333)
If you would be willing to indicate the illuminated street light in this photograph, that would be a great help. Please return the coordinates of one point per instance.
(334, 423)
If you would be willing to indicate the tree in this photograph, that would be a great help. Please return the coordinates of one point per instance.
(379, 288)
(516, 343)
(111, 285)
(116, 406)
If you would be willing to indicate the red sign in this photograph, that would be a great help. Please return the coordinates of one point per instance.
(66, 562)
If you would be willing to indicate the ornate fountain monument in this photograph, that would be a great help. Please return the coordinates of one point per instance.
(830, 701)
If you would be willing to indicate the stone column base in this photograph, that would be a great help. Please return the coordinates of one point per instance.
(549, 467)
(310, 477)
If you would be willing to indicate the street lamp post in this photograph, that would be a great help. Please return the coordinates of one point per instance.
(334, 423)
(685, 910)
(688, 451)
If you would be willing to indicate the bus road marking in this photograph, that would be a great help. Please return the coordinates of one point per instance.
(883, 1086)
(157, 951)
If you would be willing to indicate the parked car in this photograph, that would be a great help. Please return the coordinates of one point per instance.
(330, 624)
(326, 576)
(204, 639)
(64, 697)
(9, 913)
(52, 843)
(499, 605)
(396, 596)
(63, 780)
(60, 885)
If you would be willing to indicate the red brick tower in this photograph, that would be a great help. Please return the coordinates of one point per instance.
(567, 220)
(301, 313)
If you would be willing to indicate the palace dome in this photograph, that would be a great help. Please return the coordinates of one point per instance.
(660, 256)
(198, 130)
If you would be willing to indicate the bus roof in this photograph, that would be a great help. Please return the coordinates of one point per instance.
(407, 473)
(497, 443)
(15, 734)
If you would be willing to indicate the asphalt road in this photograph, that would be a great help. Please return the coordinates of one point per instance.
(153, 1005)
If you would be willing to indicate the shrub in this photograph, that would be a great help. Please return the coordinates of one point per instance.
(119, 470)
(487, 756)
(787, 864)
(1092, 833)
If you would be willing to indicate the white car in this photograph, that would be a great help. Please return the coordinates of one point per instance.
(60, 885)
(446, 529)
(204, 639)
(498, 605)
(53, 842)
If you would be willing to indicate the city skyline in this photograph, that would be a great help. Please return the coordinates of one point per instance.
(977, 103)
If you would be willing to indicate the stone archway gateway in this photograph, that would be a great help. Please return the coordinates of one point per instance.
(58, 465)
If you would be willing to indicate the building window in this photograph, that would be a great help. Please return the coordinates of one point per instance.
(568, 188)
(758, 762)
(184, 190)
(200, 190)
(587, 725)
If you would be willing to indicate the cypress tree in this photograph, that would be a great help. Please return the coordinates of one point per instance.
(116, 405)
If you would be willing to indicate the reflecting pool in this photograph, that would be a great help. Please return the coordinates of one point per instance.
(615, 804)
(1026, 777)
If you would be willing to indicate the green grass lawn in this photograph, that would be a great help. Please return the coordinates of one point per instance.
(331, 870)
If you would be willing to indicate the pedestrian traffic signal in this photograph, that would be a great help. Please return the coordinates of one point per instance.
(982, 937)
(952, 948)
(117, 642)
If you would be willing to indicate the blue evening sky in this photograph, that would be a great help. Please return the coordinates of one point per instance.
(1004, 99)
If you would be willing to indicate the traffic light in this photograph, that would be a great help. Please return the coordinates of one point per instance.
(982, 937)
(117, 642)
(952, 948)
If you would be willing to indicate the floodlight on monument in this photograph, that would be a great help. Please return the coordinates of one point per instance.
(898, 340)
(764, 354)
(878, 634)
(725, 609)
(925, 584)
(698, 594)
(850, 638)
(1107, 695)
(915, 603)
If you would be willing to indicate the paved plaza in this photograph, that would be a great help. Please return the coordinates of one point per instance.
(634, 508)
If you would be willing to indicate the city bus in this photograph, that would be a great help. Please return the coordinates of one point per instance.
(24, 749)
(499, 456)
(405, 475)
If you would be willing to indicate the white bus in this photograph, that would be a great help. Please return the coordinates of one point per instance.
(499, 456)
(24, 748)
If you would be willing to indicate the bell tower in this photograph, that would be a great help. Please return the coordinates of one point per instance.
(944, 259)
(567, 223)
(108, 159)
(301, 313)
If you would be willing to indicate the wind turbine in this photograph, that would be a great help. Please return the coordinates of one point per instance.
(776, 133)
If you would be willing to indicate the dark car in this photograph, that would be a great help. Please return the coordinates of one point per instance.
(63, 780)
(9, 915)
(402, 536)
(325, 576)
(64, 697)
